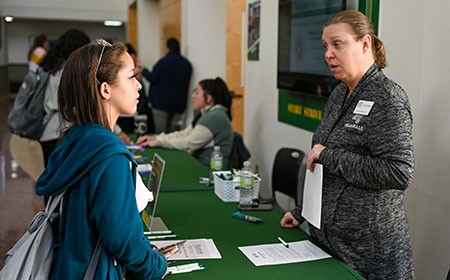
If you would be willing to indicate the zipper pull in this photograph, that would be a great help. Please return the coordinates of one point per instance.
(115, 262)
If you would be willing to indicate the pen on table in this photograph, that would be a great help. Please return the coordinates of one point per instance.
(158, 232)
(185, 266)
(161, 236)
(283, 242)
(187, 270)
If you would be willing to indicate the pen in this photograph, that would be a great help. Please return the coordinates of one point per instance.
(161, 236)
(158, 232)
(185, 266)
(283, 242)
(187, 270)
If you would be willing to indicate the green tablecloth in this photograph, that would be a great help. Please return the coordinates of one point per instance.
(200, 214)
(192, 213)
(182, 170)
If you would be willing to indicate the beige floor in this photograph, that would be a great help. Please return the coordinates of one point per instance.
(18, 201)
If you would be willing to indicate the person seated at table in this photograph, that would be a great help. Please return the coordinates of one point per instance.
(212, 127)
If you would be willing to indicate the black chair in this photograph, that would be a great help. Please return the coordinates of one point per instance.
(239, 152)
(288, 175)
(448, 275)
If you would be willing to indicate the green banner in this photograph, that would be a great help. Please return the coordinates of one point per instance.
(371, 8)
(300, 110)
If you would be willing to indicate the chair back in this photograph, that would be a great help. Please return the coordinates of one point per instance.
(288, 175)
(239, 152)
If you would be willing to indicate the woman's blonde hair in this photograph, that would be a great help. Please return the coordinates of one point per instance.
(361, 26)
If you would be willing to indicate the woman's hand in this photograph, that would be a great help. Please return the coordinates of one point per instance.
(147, 141)
(124, 137)
(288, 221)
(313, 156)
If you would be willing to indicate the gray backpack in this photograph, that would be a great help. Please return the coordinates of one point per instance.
(27, 117)
(31, 257)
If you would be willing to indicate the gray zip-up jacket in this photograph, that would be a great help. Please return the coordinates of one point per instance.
(368, 163)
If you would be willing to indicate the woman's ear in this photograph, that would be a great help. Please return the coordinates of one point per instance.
(367, 42)
(105, 91)
(209, 100)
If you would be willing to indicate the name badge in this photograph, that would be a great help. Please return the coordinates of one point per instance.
(363, 107)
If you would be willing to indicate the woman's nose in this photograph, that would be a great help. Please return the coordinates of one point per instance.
(139, 85)
(328, 53)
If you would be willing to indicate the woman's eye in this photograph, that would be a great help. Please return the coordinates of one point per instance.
(134, 76)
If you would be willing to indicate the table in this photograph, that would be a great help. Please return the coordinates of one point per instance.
(200, 214)
(191, 212)
(182, 170)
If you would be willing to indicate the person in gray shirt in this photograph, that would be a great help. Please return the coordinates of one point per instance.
(365, 145)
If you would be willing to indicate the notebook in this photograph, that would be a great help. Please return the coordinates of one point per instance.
(154, 183)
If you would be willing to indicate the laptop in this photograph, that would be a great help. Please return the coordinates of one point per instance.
(154, 183)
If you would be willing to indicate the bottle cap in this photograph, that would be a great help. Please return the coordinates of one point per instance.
(216, 148)
(247, 163)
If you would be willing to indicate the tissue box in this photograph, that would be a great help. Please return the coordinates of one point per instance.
(226, 190)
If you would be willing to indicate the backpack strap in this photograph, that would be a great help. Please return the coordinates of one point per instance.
(52, 204)
(89, 274)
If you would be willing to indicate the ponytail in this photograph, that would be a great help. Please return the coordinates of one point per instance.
(379, 52)
(218, 89)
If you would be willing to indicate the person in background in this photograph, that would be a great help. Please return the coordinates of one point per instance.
(97, 172)
(37, 52)
(212, 127)
(364, 142)
(169, 86)
(143, 106)
(53, 63)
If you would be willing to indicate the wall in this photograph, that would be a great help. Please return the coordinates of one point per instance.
(414, 36)
(3, 62)
(264, 135)
(203, 34)
(20, 32)
(419, 61)
(65, 9)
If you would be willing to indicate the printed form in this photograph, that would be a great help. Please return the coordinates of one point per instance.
(194, 249)
(272, 254)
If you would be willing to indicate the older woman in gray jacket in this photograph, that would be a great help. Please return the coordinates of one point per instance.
(364, 142)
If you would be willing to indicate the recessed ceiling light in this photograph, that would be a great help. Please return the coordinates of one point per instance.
(9, 18)
(112, 23)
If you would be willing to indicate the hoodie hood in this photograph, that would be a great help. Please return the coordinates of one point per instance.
(81, 149)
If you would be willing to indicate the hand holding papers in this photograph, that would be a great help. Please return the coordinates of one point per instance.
(271, 254)
(312, 196)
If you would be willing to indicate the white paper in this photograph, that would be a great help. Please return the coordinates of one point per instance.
(146, 167)
(312, 196)
(194, 249)
(143, 195)
(272, 254)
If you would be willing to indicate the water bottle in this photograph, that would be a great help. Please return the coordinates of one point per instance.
(246, 184)
(216, 163)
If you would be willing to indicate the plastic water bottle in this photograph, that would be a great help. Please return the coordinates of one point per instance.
(216, 163)
(246, 184)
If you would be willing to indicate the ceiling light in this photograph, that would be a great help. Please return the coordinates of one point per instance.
(9, 18)
(112, 23)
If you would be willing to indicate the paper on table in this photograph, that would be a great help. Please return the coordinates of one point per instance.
(192, 249)
(272, 254)
(312, 196)
(143, 195)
